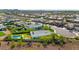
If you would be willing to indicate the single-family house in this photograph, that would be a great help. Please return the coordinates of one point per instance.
(35, 26)
(36, 34)
(2, 27)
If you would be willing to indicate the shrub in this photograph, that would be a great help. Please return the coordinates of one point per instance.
(12, 46)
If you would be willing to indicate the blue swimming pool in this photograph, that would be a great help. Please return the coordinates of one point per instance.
(16, 37)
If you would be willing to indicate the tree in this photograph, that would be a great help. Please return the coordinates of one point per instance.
(77, 38)
(45, 44)
(45, 27)
(46, 38)
(29, 44)
(12, 46)
(30, 29)
(58, 39)
(21, 43)
(0, 43)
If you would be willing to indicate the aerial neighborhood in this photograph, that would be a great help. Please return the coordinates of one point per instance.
(27, 29)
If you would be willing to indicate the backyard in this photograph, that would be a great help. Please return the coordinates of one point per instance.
(2, 33)
(44, 35)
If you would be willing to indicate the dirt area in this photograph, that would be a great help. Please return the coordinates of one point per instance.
(7, 32)
(37, 46)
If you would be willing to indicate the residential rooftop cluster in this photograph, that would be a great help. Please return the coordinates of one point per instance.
(25, 30)
(46, 27)
(31, 25)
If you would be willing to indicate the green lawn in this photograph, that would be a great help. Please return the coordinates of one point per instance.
(2, 33)
(26, 36)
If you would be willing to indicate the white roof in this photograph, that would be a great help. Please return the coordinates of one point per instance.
(34, 25)
(2, 26)
(76, 20)
(40, 33)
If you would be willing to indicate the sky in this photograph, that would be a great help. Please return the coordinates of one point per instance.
(40, 4)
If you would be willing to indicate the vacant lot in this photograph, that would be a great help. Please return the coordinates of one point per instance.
(38, 46)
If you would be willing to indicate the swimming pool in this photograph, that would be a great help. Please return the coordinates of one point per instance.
(16, 37)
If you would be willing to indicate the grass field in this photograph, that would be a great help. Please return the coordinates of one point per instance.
(25, 36)
(2, 33)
